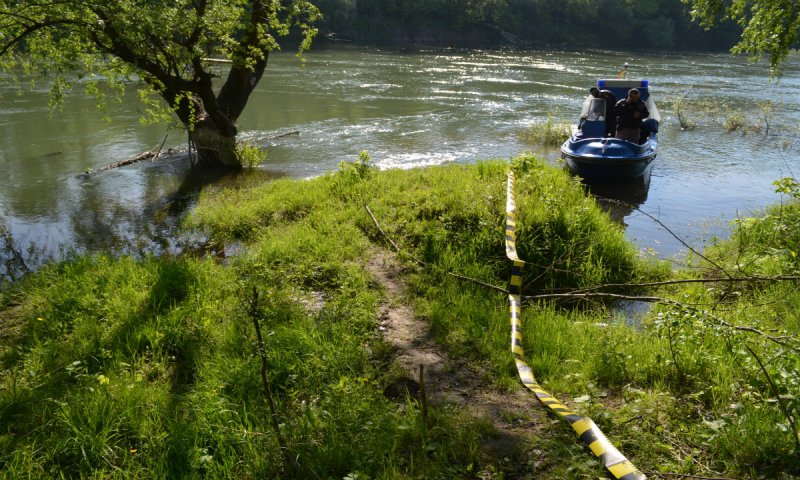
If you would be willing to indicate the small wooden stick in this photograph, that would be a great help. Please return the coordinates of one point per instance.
(423, 397)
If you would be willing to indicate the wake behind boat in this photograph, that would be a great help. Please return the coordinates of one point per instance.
(593, 152)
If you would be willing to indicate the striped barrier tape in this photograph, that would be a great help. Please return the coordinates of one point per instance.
(590, 435)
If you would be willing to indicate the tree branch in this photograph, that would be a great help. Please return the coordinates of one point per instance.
(30, 29)
(777, 394)
(173, 84)
(276, 426)
(138, 158)
(660, 223)
(242, 79)
(200, 7)
(780, 340)
(754, 278)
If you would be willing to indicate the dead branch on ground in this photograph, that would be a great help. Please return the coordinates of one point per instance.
(787, 341)
(424, 264)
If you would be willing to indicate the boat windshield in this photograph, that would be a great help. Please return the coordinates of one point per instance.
(651, 107)
(594, 109)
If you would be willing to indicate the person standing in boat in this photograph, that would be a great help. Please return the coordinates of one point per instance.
(630, 112)
(611, 102)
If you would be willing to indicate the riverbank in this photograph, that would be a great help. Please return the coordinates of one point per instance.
(408, 111)
(125, 368)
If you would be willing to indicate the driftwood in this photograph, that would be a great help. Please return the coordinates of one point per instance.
(284, 135)
(153, 154)
(218, 60)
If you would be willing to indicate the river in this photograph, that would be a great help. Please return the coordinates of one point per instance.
(407, 110)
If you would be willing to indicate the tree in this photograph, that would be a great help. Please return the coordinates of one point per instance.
(165, 45)
(769, 26)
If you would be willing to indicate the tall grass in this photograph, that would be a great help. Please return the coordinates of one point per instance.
(548, 133)
(150, 368)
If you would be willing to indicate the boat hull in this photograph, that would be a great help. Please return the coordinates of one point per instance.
(608, 157)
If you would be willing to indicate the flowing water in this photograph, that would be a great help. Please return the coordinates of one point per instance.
(407, 111)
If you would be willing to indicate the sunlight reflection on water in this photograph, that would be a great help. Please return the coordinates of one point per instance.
(408, 111)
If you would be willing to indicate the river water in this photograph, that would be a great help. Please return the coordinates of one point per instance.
(407, 110)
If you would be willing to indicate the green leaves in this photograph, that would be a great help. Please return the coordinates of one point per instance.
(164, 44)
(787, 186)
(770, 26)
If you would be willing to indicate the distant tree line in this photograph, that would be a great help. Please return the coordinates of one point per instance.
(631, 24)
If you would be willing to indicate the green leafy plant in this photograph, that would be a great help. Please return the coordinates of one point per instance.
(735, 121)
(250, 155)
(353, 178)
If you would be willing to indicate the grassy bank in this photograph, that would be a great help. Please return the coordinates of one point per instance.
(120, 368)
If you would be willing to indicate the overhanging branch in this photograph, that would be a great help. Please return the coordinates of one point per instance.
(31, 29)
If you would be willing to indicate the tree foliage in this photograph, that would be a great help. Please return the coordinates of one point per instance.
(163, 44)
(770, 27)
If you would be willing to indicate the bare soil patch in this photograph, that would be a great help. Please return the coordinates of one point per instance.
(515, 415)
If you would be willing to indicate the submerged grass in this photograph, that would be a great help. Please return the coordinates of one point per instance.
(124, 368)
(549, 133)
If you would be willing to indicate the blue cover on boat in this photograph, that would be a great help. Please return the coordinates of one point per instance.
(594, 128)
(620, 87)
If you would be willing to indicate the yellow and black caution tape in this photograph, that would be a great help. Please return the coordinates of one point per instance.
(589, 434)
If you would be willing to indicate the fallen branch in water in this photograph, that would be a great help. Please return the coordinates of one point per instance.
(153, 154)
(283, 135)
(138, 158)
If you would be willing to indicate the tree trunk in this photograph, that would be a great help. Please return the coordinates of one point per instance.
(213, 146)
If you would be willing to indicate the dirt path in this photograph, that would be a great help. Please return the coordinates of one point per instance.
(516, 416)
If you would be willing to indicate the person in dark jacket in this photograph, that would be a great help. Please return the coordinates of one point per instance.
(630, 112)
(611, 101)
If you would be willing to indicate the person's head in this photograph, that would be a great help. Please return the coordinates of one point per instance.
(633, 94)
(594, 92)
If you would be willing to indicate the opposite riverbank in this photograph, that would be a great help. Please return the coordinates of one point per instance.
(124, 368)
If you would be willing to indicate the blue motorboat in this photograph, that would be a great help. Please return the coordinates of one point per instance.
(590, 153)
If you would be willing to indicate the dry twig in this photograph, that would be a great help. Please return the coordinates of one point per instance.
(276, 426)
(775, 392)
(683, 475)
(779, 339)
(424, 264)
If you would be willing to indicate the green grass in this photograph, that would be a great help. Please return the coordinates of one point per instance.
(119, 368)
(549, 133)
